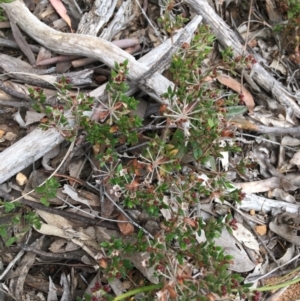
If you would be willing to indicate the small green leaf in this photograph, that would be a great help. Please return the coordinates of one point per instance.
(104, 244)
(235, 110)
(16, 220)
(10, 241)
(3, 232)
(197, 153)
(44, 201)
(182, 245)
(9, 207)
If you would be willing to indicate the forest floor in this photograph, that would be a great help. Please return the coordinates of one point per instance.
(149, 150)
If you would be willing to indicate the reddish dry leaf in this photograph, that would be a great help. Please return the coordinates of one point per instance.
(237, 87)
(211, 297)
(125, 228)
(103, 115)
(114, 129)
(133, 186)
(172, 292)
(191, 222)
(61, 10)
(138, 167)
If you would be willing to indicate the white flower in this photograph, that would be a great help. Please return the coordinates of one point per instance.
(115, 253)
(123, 172)
(184, 206)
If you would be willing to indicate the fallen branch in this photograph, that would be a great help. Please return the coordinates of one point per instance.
(258, 203)
(38, 142)
(244, 124)
(87, 46)
(229, 39)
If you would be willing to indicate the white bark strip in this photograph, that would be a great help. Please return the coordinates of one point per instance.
(258, 203)
(94, 20)
(26, 151)
(229, 39)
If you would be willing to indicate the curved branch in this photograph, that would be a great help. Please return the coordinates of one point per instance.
(88, 46)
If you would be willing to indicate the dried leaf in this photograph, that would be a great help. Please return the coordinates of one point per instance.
(32, 117)
(211, 297)
(133, 186)
(244, 236)
(261, 229)
(20, 40)
(237, 87)
(125, 228)
(191, 222)
(61, 10)
(171, 291)
(231, 246)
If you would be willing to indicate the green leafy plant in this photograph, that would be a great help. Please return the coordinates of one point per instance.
(175, 168)
(159, 182)
(15, 217)
(48, 190)
(6, 1)
(288, 31)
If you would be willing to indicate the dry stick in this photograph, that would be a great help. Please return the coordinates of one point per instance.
(14, 45)
(56, 139)
(255, 278)
(125, 43)
(246, 43)
(57, 256)
(14, 93)
(85, 45)
(229, 39)
(17, 257)
(71, 215)
(130, 220)
(245, 124)
(256, 234)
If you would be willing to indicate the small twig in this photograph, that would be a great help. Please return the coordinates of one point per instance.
(269, 141)
(57, 59)
(57, 256)
(16, 258)
(259, 238)
(245, 124)
(271, 272)
(71, 215)
(246, 43)
(248, 26)
(13, 92)
(129, 218)
(150, 128)
(14, 45)
(148, 20)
